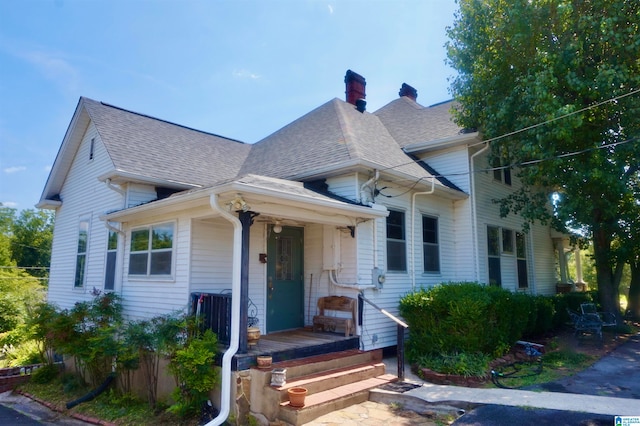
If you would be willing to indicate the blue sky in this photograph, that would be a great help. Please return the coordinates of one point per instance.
(240, 69)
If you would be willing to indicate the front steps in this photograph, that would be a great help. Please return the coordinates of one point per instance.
(334, 381)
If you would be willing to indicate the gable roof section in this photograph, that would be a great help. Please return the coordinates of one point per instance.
(158, 150)
(146, 149)
(332, 137)
(409, 122)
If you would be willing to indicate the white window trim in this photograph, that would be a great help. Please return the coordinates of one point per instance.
(438, 244)
(83, 285)
(149, 277)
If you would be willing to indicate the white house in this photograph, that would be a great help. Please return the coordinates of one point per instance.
(162, 213)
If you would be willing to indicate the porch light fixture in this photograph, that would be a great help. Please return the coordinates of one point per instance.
(277, 228)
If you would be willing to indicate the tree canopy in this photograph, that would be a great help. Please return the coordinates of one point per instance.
(25, 239)
(554, 87)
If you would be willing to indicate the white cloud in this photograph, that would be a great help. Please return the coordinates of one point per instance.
(245, 74)
(10, 204)
(14, 169)
(330, 9)
(48, 168)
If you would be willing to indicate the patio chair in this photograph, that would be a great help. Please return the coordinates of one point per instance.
(586, 324)
(608, 318)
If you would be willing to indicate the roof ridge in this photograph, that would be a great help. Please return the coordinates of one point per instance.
(165, 121)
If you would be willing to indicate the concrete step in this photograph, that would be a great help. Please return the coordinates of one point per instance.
(321, 403)
(321, 363)
(331, 379)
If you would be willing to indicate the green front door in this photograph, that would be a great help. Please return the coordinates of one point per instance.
(285, 280)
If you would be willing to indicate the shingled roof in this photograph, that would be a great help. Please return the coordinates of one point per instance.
(333, 135)
(409, 122)
(160, 150)
(333, 138)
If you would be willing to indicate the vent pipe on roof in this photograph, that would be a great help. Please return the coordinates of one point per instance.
(355, 90)
(408, 91)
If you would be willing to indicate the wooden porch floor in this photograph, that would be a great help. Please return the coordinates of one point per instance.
(294, 344)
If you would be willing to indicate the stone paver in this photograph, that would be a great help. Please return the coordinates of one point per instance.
(373, 414)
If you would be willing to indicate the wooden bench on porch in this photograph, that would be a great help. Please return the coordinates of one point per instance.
(336, 304)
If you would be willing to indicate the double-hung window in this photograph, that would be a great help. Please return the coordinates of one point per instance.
(110, 270)
(493, 251)
(396, 243)
(430, 245)
(152, 250)
(81, 254)
(521, 256)
(501, 173)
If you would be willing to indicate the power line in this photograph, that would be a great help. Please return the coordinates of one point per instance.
(587, 108)
(522, 164)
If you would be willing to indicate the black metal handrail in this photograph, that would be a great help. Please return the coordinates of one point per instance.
(401, 326)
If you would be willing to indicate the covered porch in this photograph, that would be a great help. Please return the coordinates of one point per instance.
(294, 344)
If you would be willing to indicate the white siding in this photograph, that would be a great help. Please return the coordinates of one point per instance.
(147, 297)
(140, 194)
(83, 196)
(540, 254)
(453, 164)
(346, 186)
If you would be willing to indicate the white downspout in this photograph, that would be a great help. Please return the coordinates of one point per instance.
(225, 393)
(413, 225)
(474, 216)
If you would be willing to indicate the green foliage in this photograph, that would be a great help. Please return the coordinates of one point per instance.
(461, 364)
(31, 240)
(195, 373)
(144, 343)
(470, 318)
(19, 291)
(559, 62)
(88, 332)
(45, 374)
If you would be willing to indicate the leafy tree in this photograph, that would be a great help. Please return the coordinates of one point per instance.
(31, 242)
(572, 65)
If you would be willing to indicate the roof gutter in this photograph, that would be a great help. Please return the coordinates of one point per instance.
(474, 215)
(225, 393)
(413, 225)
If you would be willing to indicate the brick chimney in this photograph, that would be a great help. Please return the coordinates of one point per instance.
(408, 91)
(355, 90)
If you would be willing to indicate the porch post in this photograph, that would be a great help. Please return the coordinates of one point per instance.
(245, 219)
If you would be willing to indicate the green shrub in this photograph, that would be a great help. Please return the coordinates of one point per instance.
(45, 374)
(468, 317)
(461, 364)
(195, 373)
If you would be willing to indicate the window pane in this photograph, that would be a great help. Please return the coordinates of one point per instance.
(161, 263)
(521, 251)
(83, 233)
(495, 276)
(396, 256)
(523, 278)
(493, 241)
(138, 264)
(431, 258)
(284, 258)
(140, 240)
(112, 244)
(395, 225)
(507, 240)
(507, 176)
(429, 230)
(162, 236)
(110, 273)
(80, 262)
